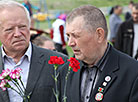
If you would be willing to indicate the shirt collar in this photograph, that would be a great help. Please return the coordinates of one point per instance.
(28, 53)
(100, 64)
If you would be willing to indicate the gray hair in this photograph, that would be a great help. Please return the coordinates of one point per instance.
(93, 17)
(11, 3)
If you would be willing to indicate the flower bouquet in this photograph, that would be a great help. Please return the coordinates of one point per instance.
(14, 77)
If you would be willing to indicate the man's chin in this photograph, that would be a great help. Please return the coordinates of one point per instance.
(79, 57)
(20, 48)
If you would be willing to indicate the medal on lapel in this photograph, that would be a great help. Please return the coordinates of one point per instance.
(107, 78)
(99, 95)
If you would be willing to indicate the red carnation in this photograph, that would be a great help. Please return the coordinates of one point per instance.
(56, 60)
(74, 64)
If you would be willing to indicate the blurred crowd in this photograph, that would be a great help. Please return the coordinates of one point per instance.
(124, 34)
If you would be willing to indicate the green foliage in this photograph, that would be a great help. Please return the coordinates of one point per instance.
(70, 4)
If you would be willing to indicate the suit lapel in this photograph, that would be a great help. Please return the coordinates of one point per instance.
(109, 71)
(74, 87)
(3, 94)
(1, 65)
(36, 66)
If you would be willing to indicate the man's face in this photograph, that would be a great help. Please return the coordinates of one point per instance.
(14, 30)
(119, 10)
(135, 14)
(83, 42)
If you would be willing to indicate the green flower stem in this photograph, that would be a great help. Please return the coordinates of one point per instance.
(26, 99)
(55, 75)
(65, 87)
(16, 91)
(22, 83)
(21, 93)
(18, 86)
(9, 86)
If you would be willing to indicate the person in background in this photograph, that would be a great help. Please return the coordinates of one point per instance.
(106, 74)
(44, 42)
(127, 36)
(59, 35)
(114, 22)
(18, 52)
(29, 7)
(128, 13)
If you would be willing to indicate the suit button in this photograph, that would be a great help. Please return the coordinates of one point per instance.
(87, 97)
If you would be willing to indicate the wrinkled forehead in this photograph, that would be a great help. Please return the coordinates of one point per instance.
(76, 24)
(12, 8)
(11, 13)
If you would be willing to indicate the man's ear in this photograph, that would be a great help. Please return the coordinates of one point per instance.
(100, 34)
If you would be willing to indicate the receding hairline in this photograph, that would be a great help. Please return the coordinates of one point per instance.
(77, 11)
(88, 12)
(10, 4)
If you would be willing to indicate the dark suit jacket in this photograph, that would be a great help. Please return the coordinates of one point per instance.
(123, 86)
(125, 36)
(40, 81)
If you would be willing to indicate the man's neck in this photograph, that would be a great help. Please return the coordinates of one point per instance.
(102, 51)
(15, 55)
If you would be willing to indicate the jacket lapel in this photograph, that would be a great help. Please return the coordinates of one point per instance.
(108, 72)
(3, 94)
(36, 66)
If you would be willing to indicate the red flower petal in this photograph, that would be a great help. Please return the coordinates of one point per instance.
(56, 60)
(74, 64)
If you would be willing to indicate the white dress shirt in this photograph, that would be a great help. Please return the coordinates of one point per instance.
(135, 43)
(24, 64)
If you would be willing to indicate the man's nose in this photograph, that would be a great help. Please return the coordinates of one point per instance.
(71, 42)
(17, 32)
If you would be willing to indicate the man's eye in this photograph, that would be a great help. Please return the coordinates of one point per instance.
(9, 29)
(67, 35)
(75, 36)
(22, 27)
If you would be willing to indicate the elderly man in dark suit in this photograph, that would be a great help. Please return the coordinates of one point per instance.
(17, 51)
(106, 75)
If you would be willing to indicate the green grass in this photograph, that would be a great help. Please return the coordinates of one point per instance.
(70, 4)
